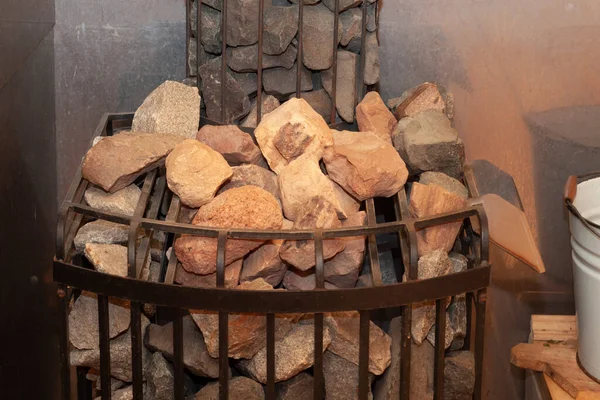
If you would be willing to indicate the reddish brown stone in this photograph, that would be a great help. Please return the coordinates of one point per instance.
(236, 146)
(426, 96)
(343, 269)
(232, 276)
(372, 115)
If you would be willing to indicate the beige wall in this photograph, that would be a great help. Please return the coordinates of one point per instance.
(526, 79)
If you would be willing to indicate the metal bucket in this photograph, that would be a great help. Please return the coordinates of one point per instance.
(582, 199)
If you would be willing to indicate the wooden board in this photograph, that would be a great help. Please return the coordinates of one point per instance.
(556, 391)
(553, 327)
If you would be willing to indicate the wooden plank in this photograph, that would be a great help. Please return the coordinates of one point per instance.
(556, 391)
(558, 361)
(553, 327)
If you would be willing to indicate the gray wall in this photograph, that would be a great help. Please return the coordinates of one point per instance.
(109, 55)
(526, 81)
(29, 358)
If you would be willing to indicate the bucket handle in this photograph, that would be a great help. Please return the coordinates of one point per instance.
(569, 198)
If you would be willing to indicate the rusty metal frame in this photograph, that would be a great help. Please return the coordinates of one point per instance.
(155, 196)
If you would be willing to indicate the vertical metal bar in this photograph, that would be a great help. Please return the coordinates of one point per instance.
(319, 284)
(261, 7)
(188, 30)
(480, 306)
(178, 355)
(63, 326)
(103, 325)
(336, 20)
(270, 356)
(223, 320)
(223, 57)
(198, 42)
(440, 344)
(84, 385)
(363, 356)
(300, 60)
(372, 243)
(136, 349)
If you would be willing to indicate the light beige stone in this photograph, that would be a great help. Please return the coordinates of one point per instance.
(195, 172)
(107, 258)
(269, 104)
(372, 115)
(122, 201)
(426, 96)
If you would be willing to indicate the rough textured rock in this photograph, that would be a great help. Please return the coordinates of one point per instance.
(195, 356)
(292, 130)
(107, 258)
(302, 280)
(317, 37)
(305, 2)
(125, 393)
(247, 332)
(83, 321)
(299, 387)
(237, 103)
(431, 265)
(253, 175)
(427, 142)
(94, 376)
(245, 58)
(210, 20)
(280, 27)
(192, 61)
(345, 342)
(265, 263)
(373, 116)
(269, 103)
(242, 22)
(120, 355)
(372, 60)
(345, 84)
(341, 378)
(117, 161)
(421, 371)
(344, 4)
(236, 146)
(426, 96)
(195, 172)
(240, 387)
(447, 182)
(348, 203)
(372, 17)
(364, 165)
(351, 21)
(343, 269)
(172, 108)
(248, 83)
(101, 232)
(232, 276)
(159, 378)
(301, 181)
(459, 375)
(319, 100)
(388, 387)
(293, 354)
(428, 200)
(247, 207)
(317, 213)
(122, 201)
(281, 82)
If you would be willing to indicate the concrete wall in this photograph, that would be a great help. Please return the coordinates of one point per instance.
(525, 78)
(109, 55)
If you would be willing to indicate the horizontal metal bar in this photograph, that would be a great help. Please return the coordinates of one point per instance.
(231, 300)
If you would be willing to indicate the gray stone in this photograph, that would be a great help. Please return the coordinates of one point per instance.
(247, 80)
(242, 22)
(447, 182)
(156, 245)
(253, 175)
(280, 27)
(160, 380)
(210, 36)
(269, 103)
(154, 270)
(120, 355)
(372, 17)
(293, 354)
(171, 108)
(281, 82)
(265, 263)
(342, 270)
(371, 59)
(235, 145)
(216, 4)
(421, 371)
(341, 378)
(240, 387)
(459, 375)
(100, 231)
(344, 4)
(351, 21)
(94, 376)
(429, 143)
(345, 342)
(299, 387)
(319, 100)
(345, 84)
(236, 99)
(83, 321)
(192, 56)
(388, 387)
(306, 2)
(122, 201)
(317, 37)
(245, 58)
(195, 355)
(354, 46)
(107, 258)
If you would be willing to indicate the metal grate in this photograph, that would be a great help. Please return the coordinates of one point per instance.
(156, 199)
